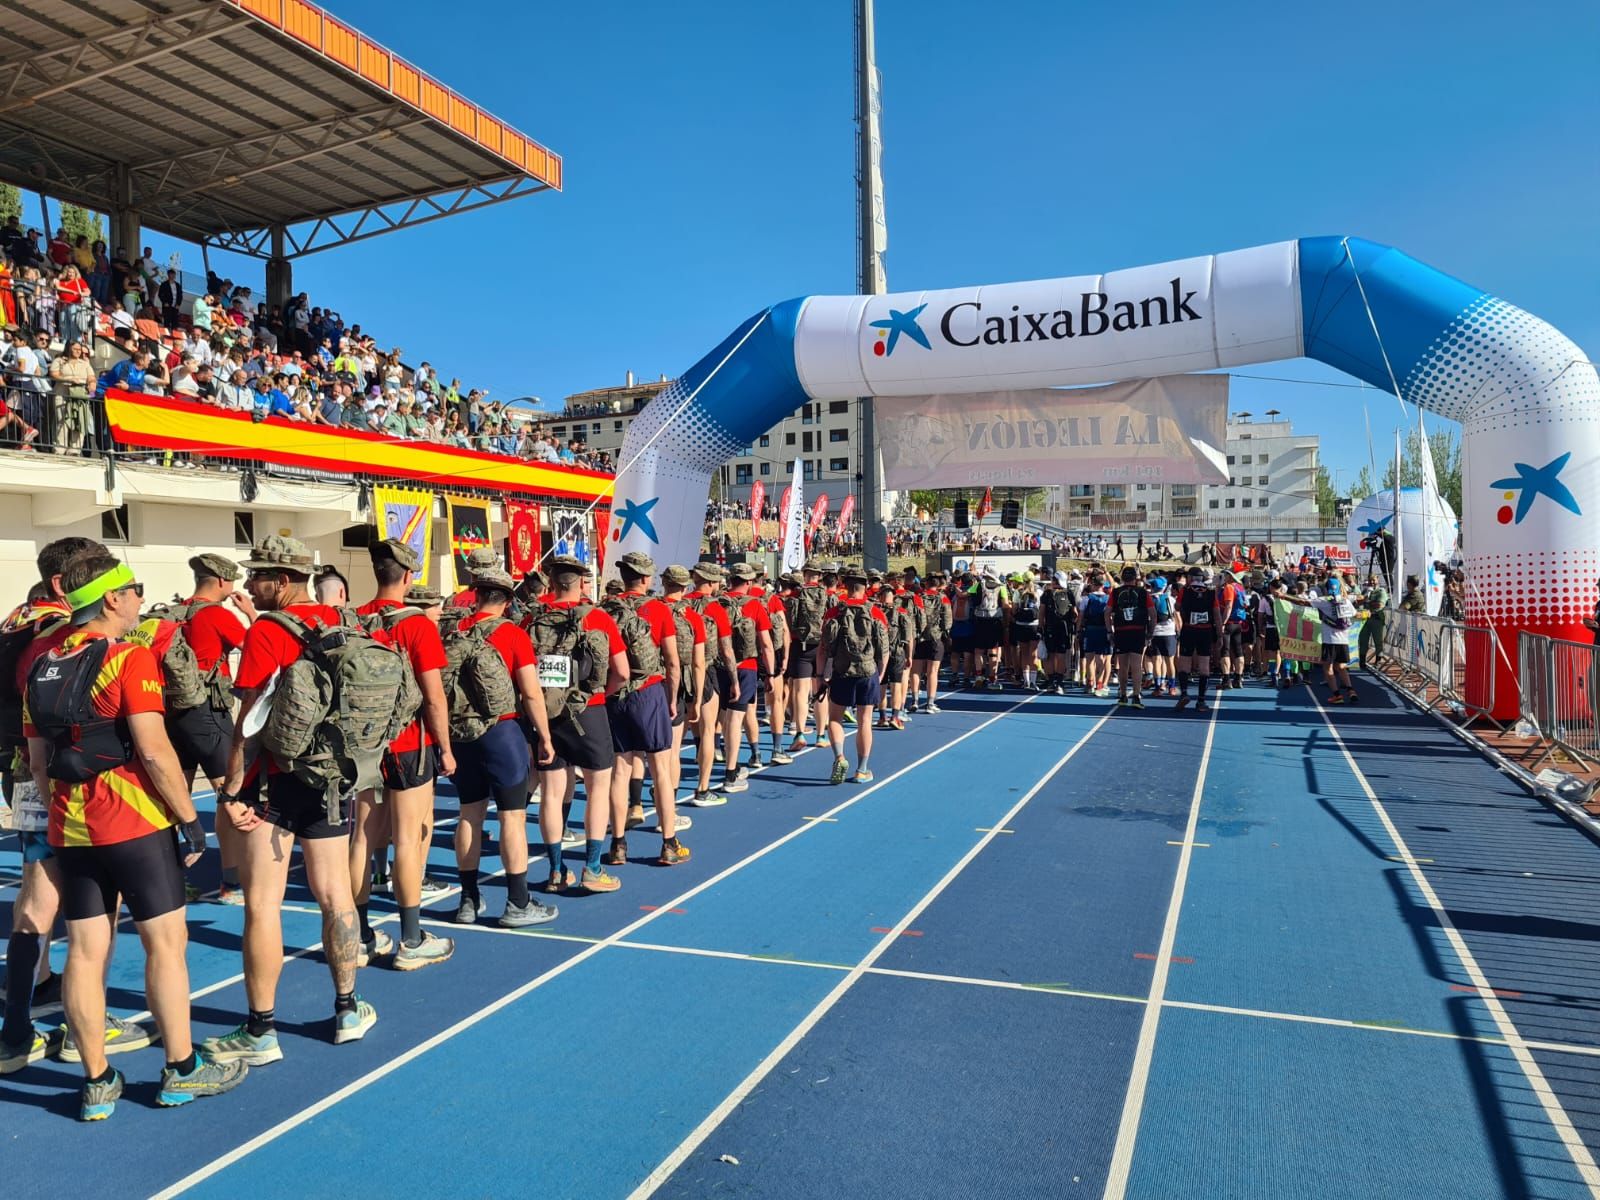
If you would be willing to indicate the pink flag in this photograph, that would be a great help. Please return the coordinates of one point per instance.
(819, 513)
(758, 496)
(847, 509)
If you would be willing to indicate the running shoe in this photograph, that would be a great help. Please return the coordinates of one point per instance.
(705, 800)
(48, 993)
(433, 887)
(841, 768)
(673, 852)
(1202, 706)
(520, 916)
(467, 911)
(1121, 700)
(635, 817)
(559, 881)
(781, 758)
(572, 837)
(862, 776)
(797, 746)
(684, 821)
(1183, 703)
(381, 946)
(232, 895)
(351, 1025)
(1351, 697)
(995, 685)
(1102, 693)
(598, 881)
(617, 856)
(207, 1079)
(848, 717)
(735, 783)
(755, 764)
(1335, 699)
(100, 1099)
(897, 723)
(240, 1045)
(121, 1036)
(1137, 701)
(932, 708)
(425, 953)
(14, 1058)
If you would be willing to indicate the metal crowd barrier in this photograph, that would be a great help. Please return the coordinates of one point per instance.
(1444, 664)
(1559, 680)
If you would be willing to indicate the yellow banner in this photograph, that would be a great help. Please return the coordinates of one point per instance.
(407, 516)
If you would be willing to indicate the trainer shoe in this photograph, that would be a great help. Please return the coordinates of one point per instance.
(1351, 697)
(735, 783)
(120, 1036)
(14, 1058)
(1137, 701)
(425, 953)
(558, 882)
(1202, 706)
(781, 758)
(520, 916)
(467, 911)
(100, 1099)
(352, 1024)
(897, 723)
(573, 837)
(705, 800)
(240, 1045)
(231, 895)
(841, 768)
(682, 822)
(1183, 703)
(599, 881)
(433, 887)
(381, 946)
(673, 852)
(754, 765)
(635, 817)
(207, 1079)
(848, 717)
(797, 746)
(1335, 699)
(862, 776)
(932, 708)
(617, 856)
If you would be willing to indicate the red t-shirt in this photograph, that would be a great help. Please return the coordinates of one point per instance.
(514, 645)
(123, 803)
(663, 629)
(419, 638)
(755, 609)
(466, 598)
(268, 648)
(212, 633)
(599, 621)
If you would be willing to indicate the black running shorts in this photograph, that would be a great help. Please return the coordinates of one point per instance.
(411, 769)
(299, 808)
(929, 650)
(1195, 643)
(201, 736)
(1128, 641)
(584, 742)
(802, 662)
(986, 633)
(1337, 654)
(145, 871)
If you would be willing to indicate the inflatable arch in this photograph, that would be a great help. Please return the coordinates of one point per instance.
(1527, 399)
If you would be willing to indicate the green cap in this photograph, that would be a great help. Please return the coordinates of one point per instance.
(215, 566)
(394, 548)
(280, 554)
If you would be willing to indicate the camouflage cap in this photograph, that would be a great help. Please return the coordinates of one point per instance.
(676, 576)
(855, 575)
(638, 562)
(817, 566)
(707, 570)
(742, 571)
(493, 577)
(482, 558)
(423, 597)
(277, 553)
(565, 564)
(614, 587)
(394, 548)
(215, 566)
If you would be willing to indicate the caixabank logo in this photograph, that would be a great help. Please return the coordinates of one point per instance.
(967, 323)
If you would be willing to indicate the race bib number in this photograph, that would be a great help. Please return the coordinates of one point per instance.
(30, 812)
(555, 671)
(1128, 615)
(1203, 618)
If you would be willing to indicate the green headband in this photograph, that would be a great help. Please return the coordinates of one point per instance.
(95, 590)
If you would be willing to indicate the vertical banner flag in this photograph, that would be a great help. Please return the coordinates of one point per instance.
(1396, 595)
(570, 537)
(986, 505)
(847, 509)
(874, 138)
(469, 531)
(819, 514)
(758, 497)
(602, 528)
(408, 517)
(794, 534)
(522, 528)
(1432, 525)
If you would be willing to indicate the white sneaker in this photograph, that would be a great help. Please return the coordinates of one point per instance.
(704, 800)
(572, 837)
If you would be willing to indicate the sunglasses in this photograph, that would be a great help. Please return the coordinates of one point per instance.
(136, 588)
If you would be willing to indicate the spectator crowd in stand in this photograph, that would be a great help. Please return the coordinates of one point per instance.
(297, 362)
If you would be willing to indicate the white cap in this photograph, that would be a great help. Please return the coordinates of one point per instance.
(1062, 578)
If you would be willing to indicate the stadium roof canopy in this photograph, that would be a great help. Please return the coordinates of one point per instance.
(218, 121)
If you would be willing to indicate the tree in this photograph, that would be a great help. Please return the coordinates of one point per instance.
(1327, 498)
(80, 222)
(1445, 449)
(10, 202)
(1363, 486)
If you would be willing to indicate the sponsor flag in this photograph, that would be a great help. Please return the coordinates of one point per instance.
(408, 517)
(847, 509)
(986, 505)
(469, 531)
(1399, 529)
(522, 534)
(1433, 525)
(819, 514)
(758, 497)
(791, 511)
(602, 528)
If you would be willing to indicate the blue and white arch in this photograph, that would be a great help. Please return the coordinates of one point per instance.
(1527, 399)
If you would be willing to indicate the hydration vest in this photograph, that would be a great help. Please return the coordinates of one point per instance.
(61, 706)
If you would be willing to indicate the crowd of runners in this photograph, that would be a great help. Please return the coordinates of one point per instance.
(327, 725)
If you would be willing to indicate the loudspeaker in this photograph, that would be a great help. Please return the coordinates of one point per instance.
(961, 514)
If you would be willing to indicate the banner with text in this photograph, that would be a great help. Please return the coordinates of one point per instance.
(407, 516)
(469, 531)
(1165, 430)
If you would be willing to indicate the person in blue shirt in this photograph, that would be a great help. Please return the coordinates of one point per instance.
(128, 374)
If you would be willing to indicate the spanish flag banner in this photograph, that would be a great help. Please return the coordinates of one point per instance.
(469, 531)
(407, 517)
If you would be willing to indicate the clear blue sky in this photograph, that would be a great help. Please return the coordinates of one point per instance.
(710, 162)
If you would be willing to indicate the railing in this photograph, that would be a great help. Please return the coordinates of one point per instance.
(1558, 681)
(1443, 664)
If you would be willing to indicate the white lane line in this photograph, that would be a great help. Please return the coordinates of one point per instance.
(269, 1135)
(734, 1098)
(1144, 1049)
(1519, 1047)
